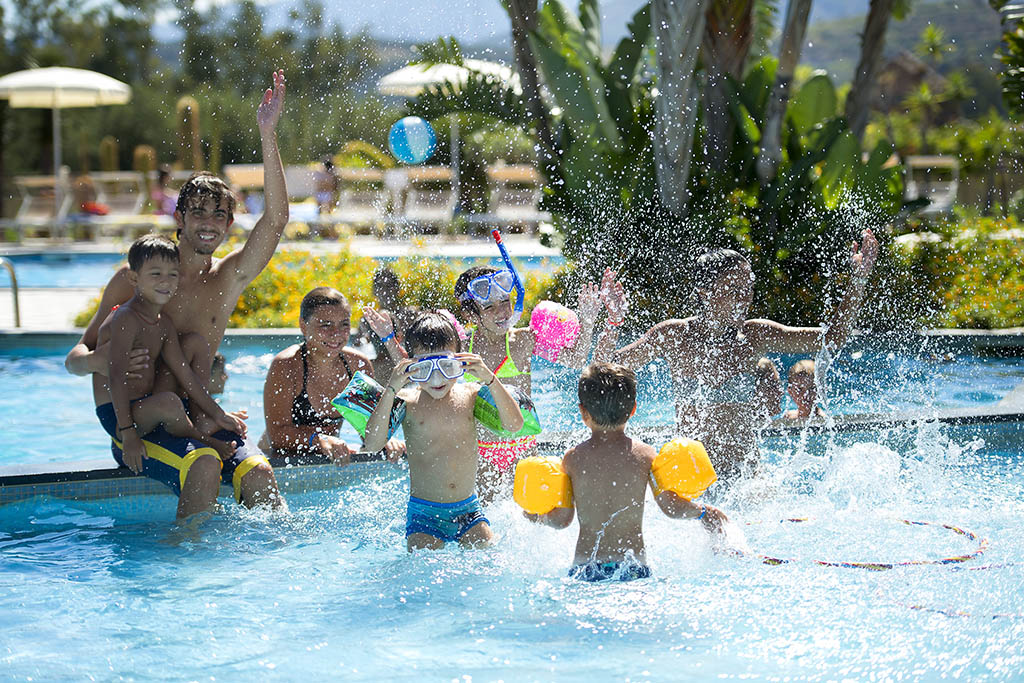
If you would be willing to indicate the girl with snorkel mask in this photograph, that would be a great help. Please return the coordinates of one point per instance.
(485, 297)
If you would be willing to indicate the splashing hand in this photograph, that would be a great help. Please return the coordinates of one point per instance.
(614, 296)
(864, 255)
(589, 302)
(379, 321)
(269, 111)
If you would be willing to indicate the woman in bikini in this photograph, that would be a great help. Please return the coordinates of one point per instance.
(723, 386)
(304, 378)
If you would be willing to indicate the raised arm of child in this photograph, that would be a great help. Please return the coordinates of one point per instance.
(383, 325)
(376, 436)
(587, 308)
(613, 295)
(508, 407)
(174, 359)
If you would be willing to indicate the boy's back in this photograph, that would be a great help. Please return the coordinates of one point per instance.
(609, 475)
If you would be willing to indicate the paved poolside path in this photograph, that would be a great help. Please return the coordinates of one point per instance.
(51, 309)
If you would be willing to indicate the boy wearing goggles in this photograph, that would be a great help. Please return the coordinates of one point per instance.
(440, 433)
(485, 296)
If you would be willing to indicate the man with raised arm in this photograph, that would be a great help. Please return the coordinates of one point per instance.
(722, 386)
(207, 293)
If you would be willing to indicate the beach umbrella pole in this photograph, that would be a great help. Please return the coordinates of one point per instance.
(57, 193)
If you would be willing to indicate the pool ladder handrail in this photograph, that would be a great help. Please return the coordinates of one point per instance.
(6, 263)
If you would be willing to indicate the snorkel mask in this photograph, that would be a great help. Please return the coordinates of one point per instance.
(498, 286)
(449, 367)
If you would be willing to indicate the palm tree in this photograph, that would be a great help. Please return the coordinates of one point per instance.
(797, 13)
(677, 28)
(728, 35)
(858, 102)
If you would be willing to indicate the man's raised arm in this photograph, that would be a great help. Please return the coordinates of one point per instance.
(253, 257)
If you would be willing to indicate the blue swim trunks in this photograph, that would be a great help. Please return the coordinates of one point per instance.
(605, 571)
(444, 521)
(170, 457)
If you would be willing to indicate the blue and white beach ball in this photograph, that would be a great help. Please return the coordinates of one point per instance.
(412, 140)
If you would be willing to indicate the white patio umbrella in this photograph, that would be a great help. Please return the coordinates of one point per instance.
(410, 81)
(59, 88)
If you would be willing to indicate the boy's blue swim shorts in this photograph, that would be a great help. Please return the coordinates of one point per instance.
(170, 457)
(444, 521)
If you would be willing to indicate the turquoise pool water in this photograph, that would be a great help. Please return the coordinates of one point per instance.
(328, 592)
(37, 397)
(79, 269)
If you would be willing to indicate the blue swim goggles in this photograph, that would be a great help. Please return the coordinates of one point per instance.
(491, 287)
(448, 366)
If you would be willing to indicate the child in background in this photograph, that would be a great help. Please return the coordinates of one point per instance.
(610, 473)
(135, 410)
(440, 433)
(803, 390)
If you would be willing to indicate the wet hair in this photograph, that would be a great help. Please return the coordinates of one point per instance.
(607, 391)
(713, 264)
(802, 368)
(386, 284)
(469, 305)
(149, 247)
(431, 331)
(203, 185)
(321, 296)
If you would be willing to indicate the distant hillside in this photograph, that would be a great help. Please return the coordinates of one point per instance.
(969, 24)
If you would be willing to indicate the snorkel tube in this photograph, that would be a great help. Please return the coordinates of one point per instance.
(520, 292)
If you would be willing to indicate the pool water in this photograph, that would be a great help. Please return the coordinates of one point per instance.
(37, 396)
(85, 269)
(328, 590)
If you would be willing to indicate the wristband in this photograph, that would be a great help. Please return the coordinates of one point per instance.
(131, 426)
(703, 511)
(615, 323)
(385, 340)
(312, 436)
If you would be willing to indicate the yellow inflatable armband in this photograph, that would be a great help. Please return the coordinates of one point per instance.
(542, 485)
(683, 467)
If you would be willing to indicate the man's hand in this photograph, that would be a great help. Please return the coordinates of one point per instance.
(132, 450)
(233, 423)
(614, 296)
(379, 321)
(864, 256)
(269, 111)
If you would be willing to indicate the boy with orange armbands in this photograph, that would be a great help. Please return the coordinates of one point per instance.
(605, 480)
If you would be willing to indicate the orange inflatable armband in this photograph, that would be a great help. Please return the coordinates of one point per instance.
(541, 485)
(683, 467)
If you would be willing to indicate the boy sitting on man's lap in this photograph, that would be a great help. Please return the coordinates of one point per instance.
(135, 410)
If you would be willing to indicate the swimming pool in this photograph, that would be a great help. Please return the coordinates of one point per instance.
(55, 269)
(38, 397)
(106, 590)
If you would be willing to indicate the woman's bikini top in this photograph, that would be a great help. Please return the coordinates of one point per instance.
(303, 414)
(507, 368)
(738, 389)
